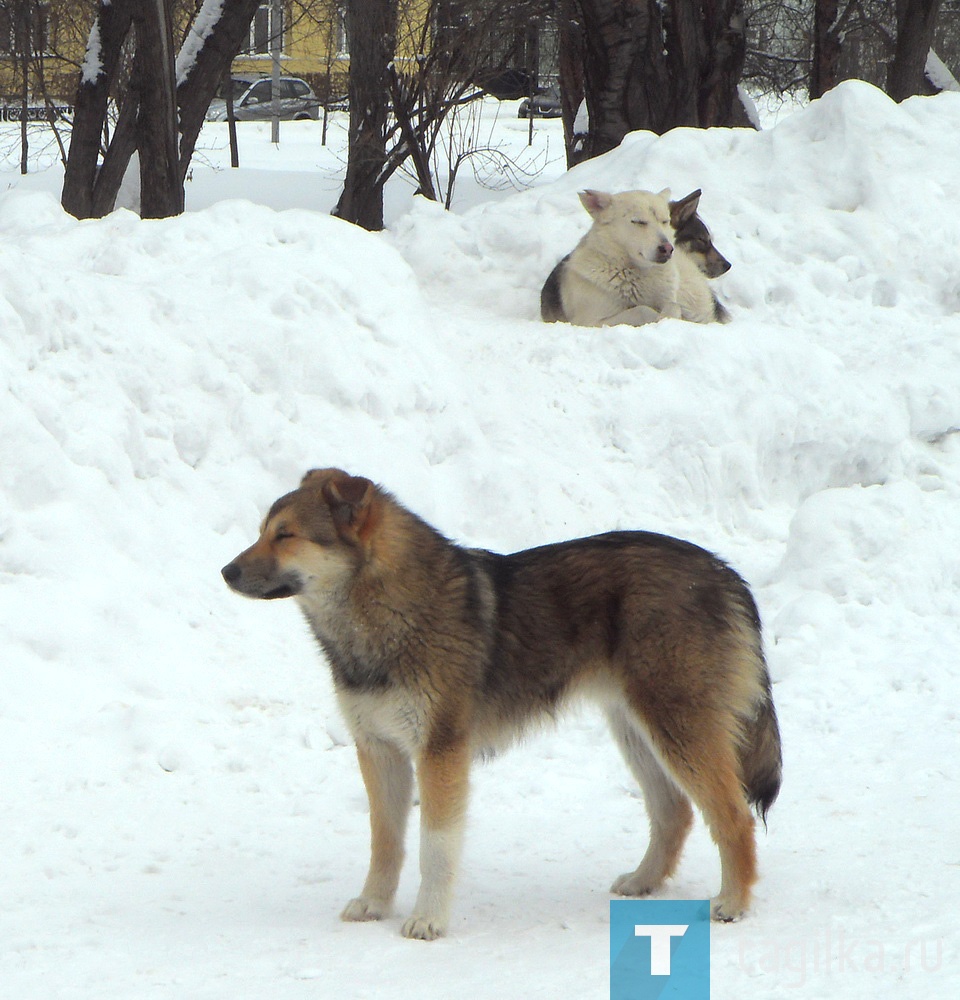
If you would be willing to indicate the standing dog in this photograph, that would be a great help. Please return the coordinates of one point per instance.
(624, 270)
(441, 653)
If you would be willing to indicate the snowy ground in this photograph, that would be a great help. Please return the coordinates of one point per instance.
(183, 815)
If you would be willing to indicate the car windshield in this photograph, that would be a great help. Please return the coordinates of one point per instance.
(239, 89)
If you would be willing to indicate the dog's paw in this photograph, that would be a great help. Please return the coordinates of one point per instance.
(423, 928)
(638, 883)
(726, 910)
(671, 311)
(363, 908)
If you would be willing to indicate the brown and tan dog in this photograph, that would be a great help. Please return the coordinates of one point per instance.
(440, 653)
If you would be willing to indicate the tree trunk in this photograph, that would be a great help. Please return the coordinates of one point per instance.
(161, 191)
(23, 45)
(404, 112)
(656, 66)
(231, 119)
(571, 77)
(204, 61)
(372, 31)
(625, 75)
(825, 67)
(916, 21)
(90, 107)
(123, 144)
(148, 115)
(721, 64)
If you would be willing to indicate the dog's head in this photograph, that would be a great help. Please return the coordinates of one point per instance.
(312, 539)
(632, 223)
(693, 237)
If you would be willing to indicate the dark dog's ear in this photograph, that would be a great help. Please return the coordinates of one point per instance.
(683, 210)
(595, 201)
(350, 499)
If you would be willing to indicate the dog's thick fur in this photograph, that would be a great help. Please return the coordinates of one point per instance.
(441, 653)
(626, 270)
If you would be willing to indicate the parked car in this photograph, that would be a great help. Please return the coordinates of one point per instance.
(543, 104)
(253, 100)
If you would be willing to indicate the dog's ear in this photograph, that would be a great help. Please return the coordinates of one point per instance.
(350, 499)
(317, 477)
(665, 194)
(595, 201)
(683, 210)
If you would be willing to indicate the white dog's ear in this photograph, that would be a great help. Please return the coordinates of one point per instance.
(595, 201)
(665, 194)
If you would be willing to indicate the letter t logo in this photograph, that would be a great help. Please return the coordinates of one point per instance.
(659, 948)
(660, 935)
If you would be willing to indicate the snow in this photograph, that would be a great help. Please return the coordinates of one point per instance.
(938, 73)
(92, 65)
(184, 815)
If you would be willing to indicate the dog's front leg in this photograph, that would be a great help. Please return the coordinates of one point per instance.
(388, 776)
(634, 316)
(444, 777)
(671, 310)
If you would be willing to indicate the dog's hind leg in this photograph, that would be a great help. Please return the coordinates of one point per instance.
(668, 808)
(704, 764)
(388, 776)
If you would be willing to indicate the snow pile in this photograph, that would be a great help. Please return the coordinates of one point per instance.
(186, 817)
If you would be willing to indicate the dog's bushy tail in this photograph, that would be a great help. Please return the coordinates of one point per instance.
(720, 313)
(761, 759)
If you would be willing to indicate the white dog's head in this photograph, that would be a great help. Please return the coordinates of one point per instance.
(637, 223)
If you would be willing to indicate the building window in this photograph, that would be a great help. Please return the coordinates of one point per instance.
(267, 22)
(341, 41)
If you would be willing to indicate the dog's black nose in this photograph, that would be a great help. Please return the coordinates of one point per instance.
(231, 572)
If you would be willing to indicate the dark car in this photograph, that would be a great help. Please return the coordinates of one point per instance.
(253, 100)
(543, 104)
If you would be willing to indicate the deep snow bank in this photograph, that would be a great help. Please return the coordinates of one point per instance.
(170, 750)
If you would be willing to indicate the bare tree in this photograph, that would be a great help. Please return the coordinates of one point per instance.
(459, 48)
(649, 65)
(409, 70)
(23, 44)
(570, 66)
(916, 23)
(372, 30)
(149, 119)
(154, 79)
(827, 36)
(778, 45)
(821, 42)
(82, 182)
(22, 16)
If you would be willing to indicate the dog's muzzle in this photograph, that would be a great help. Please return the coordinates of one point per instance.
(664, 252)
(265, 590)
